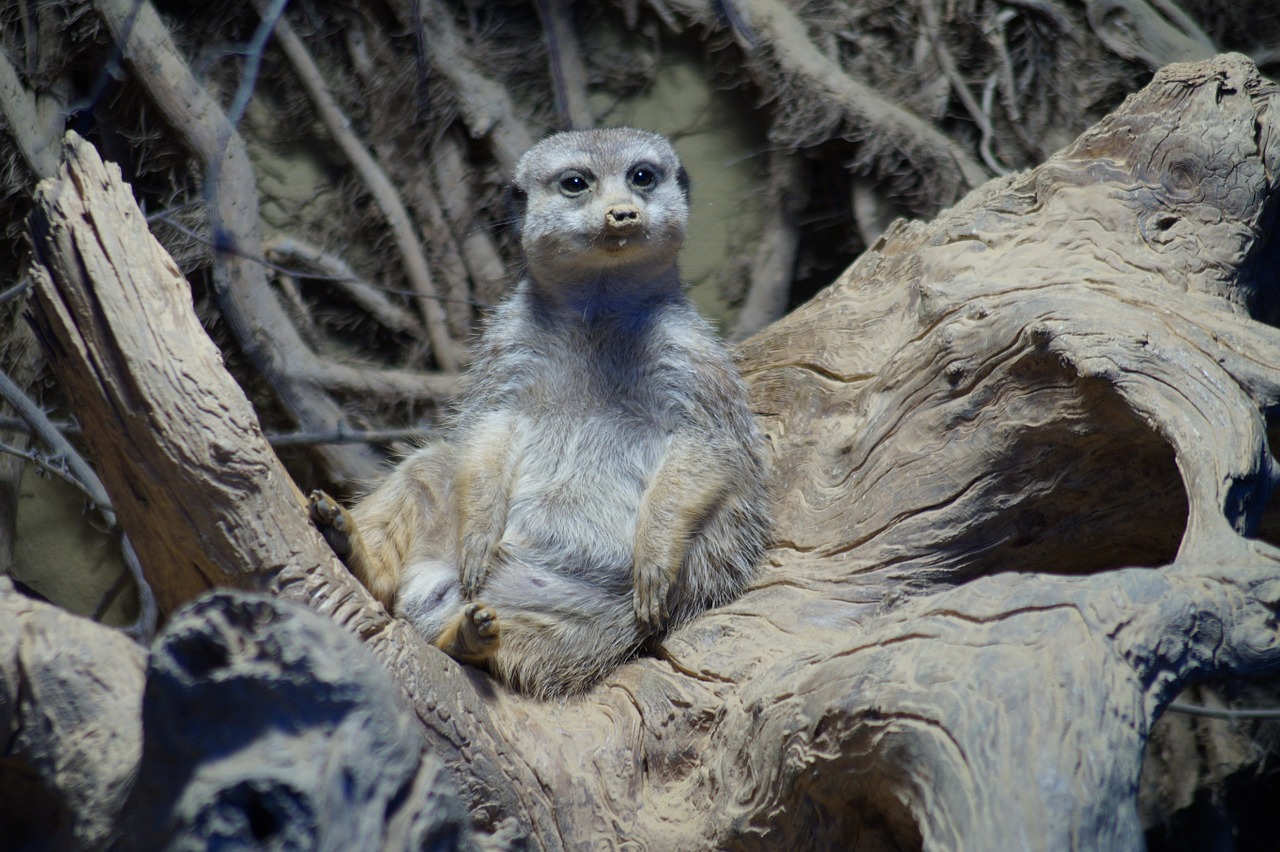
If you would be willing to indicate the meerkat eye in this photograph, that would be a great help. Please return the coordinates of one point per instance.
(643, 176)
(573, 183)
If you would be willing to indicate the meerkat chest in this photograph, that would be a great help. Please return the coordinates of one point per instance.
(594, 424)
(587, 438)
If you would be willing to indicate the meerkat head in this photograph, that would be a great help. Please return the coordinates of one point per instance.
(593, 202)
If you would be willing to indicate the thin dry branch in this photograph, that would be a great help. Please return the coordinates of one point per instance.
(568, 75)
(794, 71)
(324, 372)
(80, 472)
(275, 439)
(446, 350)
(772, 266)
(980, 113)
(487, 108)
(36, 135)
(251, 311)
(393, 385)
(333, 268)
(74, 469)
(997, 38)
(422, 197)
(480, 254)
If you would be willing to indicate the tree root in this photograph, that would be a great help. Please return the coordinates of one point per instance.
(823, 101)
(256, 319)
(445, 349)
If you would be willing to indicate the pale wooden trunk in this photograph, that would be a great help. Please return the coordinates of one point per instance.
(977, 432)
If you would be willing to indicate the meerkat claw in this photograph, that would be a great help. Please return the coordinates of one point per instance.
(332, 520)
(651, 589)
(475, 565)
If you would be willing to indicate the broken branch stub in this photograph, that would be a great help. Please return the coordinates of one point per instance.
(176, 442)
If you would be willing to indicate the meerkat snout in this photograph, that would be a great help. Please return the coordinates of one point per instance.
(622, 218)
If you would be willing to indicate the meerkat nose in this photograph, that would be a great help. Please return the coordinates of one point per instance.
(622, 217)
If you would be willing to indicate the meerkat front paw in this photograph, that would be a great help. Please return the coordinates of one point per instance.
(652, 585)
(333, 522)
(476, 635)
(478, 555)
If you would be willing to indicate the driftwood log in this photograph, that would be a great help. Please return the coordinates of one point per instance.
(1022, 465)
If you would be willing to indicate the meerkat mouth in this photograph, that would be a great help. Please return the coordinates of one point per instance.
(615, 244)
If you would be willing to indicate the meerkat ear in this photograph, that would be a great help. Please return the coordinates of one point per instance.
(682, 180)
(516, 201)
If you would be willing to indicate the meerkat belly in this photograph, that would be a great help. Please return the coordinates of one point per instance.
(576, 495)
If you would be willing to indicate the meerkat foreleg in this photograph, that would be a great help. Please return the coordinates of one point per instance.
(343, 535)
(685, 490)
(383, 533)
(483, 491)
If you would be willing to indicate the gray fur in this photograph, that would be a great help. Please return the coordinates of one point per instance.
(591, 377)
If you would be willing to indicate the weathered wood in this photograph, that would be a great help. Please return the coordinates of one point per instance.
(161, 414)
(975, 431)
(70, 691)
(181, 452)
(265, 725)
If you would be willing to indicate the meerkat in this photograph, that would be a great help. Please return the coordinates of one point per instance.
(601, 478)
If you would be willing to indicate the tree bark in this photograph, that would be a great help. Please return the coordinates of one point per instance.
(978, 432)
(69, 696)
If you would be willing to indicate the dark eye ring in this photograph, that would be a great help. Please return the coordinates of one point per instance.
(643, 177)
(574, 184)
